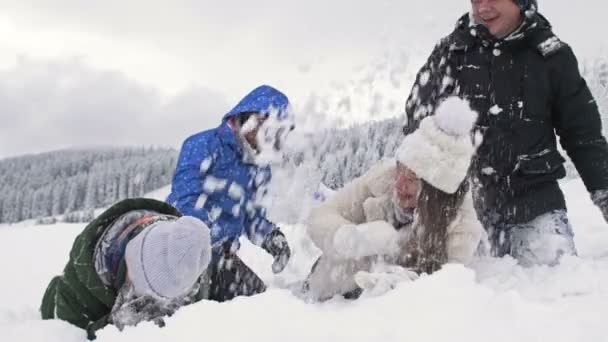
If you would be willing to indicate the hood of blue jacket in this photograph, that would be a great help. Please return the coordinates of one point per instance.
(263, 99)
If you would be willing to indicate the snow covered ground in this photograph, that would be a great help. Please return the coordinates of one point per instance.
(493, 300)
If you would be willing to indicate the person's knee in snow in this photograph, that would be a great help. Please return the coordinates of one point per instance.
(542, 241)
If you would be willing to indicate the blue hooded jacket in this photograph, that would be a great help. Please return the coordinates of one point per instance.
(213, 183)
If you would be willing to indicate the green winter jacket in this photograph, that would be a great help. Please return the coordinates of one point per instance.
(78, 295)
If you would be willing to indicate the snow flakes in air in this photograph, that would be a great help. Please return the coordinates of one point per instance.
(446, 83)
(497, 52)
(260, 178)
(455, 116)
(424, 78)
(236, 192)
(236, 210)
(200, 202)
(215, 213)
(213, 184)
(488, 171)
(205, 165)
(216, 230)
(495, 110)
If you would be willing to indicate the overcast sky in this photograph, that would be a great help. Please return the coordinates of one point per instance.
(142, 72)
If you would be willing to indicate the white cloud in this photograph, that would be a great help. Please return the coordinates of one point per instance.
(167, 54)
(60, 104)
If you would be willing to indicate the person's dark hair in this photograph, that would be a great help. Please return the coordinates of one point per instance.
(426, 247)
(242, 118)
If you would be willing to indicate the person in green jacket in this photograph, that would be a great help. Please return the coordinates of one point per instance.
(138, 261)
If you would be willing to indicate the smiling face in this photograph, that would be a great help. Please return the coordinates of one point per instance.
(501, 17)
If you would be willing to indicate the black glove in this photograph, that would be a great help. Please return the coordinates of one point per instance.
(141, 309)
(600, 198)
(276, 245)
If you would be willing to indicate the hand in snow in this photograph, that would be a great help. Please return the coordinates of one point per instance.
(276, 245)
(144, 308)
(366, 239)
(383, 279)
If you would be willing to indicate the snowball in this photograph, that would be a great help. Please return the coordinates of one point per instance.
(205, 165)
(215, 213)
(236, 192)
(454, 116)
(488, 171)
(200, 202)
(495, 110)
(213, 184)
(424, 78)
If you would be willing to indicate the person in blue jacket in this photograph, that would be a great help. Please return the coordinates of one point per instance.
(219, 181)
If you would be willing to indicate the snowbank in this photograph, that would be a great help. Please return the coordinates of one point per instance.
(493, 300)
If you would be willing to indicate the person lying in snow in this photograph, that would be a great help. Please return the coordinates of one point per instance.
(220, 180)
(138, 261)
(414, 212)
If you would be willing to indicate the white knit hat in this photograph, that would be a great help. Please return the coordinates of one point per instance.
(440, 150)
(167, 258)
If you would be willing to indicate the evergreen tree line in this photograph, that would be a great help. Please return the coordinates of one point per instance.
(340, 155)
(71, 181)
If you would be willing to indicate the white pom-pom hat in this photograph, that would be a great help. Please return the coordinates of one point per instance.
(441, 149)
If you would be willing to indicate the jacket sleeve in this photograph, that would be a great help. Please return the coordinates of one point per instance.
(433, 84)
(577, 121)
(346, 207)
(187, 193)
(257, 224)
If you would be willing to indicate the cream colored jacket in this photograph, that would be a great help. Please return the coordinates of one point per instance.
(369, 198)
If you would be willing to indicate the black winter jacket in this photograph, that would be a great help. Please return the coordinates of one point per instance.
(527, 90)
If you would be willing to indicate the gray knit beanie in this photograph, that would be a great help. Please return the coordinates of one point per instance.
(166, 259)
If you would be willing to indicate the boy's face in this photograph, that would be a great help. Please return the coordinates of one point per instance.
(501, 17)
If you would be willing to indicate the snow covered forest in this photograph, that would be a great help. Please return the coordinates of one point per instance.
(77, 181)
(69, 181)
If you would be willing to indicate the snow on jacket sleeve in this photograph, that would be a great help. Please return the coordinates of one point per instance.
(347, 206)
(195, 159)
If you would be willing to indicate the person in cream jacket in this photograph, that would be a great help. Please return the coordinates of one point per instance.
(413, 211)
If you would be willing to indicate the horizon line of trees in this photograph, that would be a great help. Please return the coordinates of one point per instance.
(70, 181)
